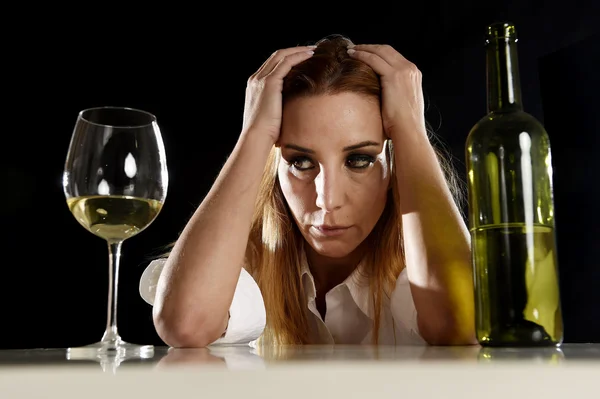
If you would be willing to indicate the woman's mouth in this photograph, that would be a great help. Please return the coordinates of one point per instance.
(329, 230)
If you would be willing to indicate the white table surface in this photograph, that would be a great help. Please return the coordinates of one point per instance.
(571, 371)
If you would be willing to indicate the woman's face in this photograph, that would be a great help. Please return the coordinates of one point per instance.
(334, 171)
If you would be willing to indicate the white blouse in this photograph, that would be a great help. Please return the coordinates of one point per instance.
(348, 320)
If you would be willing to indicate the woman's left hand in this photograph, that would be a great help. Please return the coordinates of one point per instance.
(402, 94)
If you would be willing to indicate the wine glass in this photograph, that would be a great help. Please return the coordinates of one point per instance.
(115, 182)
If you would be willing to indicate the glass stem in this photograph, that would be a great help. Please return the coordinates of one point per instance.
(111, 334)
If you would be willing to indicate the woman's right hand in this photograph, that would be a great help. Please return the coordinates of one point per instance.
(263, 107)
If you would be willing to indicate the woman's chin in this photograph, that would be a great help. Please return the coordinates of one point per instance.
(332, 249)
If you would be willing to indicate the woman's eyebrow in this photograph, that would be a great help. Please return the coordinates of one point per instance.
(361, 145)
(298, 148)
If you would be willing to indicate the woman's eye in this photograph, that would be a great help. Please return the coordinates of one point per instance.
(359, 161)
(302, 163)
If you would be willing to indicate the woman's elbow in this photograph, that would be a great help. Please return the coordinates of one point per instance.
(447, 333)
(448, 340)
(185, 331)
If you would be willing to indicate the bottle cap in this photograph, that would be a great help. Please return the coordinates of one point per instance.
(502, 31)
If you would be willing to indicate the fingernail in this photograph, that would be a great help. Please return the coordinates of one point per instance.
(351, 51)
(312, 46)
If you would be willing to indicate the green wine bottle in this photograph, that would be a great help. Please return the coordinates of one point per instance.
(511, 211)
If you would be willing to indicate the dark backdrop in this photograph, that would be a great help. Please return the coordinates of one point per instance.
(190, 68)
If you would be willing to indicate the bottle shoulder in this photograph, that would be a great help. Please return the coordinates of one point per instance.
(507, 124)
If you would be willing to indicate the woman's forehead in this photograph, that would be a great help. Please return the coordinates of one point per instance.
(339, 117)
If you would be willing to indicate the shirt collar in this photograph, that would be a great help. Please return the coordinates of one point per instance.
(357, 285)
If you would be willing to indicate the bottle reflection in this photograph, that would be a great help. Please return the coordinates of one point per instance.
(549, 355)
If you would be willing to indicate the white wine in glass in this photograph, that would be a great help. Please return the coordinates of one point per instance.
(115, 182)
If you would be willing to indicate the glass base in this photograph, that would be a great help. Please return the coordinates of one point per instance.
(110, 353)
(116, 347)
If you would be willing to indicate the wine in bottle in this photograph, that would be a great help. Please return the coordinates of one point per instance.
(511, 211)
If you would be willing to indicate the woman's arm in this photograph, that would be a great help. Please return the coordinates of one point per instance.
(247, 313)
(436, 240)
(197, 283)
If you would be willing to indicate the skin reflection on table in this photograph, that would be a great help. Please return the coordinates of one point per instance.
(246, 357)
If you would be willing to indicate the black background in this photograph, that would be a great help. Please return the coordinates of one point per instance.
(189, 67)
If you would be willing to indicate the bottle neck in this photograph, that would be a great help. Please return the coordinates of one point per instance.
(503, 82)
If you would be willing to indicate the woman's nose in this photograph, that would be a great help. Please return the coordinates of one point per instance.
(330, 190)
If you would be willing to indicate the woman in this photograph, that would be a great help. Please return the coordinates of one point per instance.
(318, 229)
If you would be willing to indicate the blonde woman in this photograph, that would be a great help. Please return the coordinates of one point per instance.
(333, 220)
